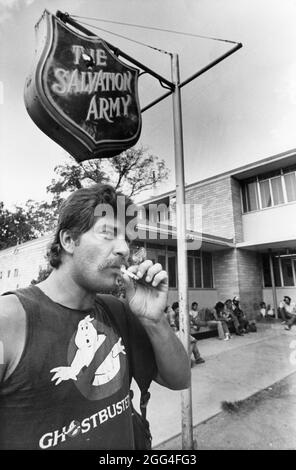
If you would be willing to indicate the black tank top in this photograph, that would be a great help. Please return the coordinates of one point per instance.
(70, 389)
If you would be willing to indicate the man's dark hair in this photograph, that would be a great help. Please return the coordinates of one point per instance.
(77, 214)
(287, 297)
(194, 303)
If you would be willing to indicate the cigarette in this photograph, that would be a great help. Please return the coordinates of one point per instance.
(130, 274)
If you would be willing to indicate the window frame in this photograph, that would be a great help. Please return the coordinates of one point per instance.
(280, 269)
(171, 250)
(245, 204)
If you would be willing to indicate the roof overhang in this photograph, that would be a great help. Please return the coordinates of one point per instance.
(264, 246)
(166, 235)
(265, 166)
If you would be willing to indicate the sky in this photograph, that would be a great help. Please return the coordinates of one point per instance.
(241, 111)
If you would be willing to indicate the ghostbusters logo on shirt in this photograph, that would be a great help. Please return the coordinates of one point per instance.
(96, 360)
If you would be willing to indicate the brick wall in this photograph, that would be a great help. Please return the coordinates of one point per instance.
(250, 281)
(225, 270)
(221, 207)
(238, 272)
(237, 210)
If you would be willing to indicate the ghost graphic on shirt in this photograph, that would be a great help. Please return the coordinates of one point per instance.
(88, 341)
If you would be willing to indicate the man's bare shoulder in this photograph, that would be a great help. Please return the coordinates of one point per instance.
(11, 310)
(12, 327)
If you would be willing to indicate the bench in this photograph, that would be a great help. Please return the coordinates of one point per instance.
(208, 331)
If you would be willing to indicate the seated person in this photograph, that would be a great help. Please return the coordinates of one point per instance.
(231, 318)
(219, 316)
(210, 320)
(193, 313)
(291, 314)
(263, 310)
(193, 342)
(286, 309)
(244, 326)
(270, 312)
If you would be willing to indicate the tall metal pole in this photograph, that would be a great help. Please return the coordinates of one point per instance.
(273, 284)
(186, 396)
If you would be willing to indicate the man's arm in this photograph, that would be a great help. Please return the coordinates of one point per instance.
(12, 334)
(171, 358)
(147, 299)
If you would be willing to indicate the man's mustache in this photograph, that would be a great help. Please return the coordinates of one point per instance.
(114, 263)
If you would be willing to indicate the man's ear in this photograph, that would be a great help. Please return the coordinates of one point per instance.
(67, 241)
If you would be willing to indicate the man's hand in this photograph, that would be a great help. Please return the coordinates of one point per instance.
(62, 373)
(147, 297)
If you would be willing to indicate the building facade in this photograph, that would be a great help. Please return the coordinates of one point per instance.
(241, 237)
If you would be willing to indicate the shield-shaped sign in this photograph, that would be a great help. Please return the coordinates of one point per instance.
(80, 94)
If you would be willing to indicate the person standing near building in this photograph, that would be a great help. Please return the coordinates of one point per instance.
(69, 353)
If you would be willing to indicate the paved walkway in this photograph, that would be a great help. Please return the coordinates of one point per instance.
(233, 370)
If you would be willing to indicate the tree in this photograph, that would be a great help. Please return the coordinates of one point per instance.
(132, 172)
(25, 223)
(42, 215)
(42, 275)
(14, 227)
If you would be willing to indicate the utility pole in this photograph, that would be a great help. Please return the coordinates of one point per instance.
(186, 395)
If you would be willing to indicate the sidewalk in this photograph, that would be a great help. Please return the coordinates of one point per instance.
(233, 371)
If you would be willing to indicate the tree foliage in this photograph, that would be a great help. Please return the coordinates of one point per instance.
(42, 275)
(132, 172)
(25, 223)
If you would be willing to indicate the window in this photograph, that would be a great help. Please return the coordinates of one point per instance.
(250, 197)
(200, 270)
(277, 190)
(277, 187)
(282, 270)
(16, 271)
(265, 193)
(290, 182)
(161, 260)
(0, 274)
(266, 271)
(190, 263)
(276, 270)
(8, 273)
(207, 270)
(287, 272)
(199, 265)
(197, 270)
(172, 271)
